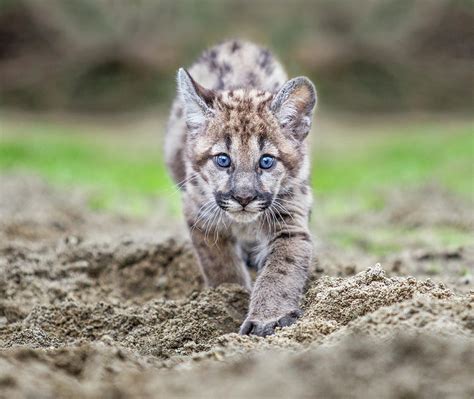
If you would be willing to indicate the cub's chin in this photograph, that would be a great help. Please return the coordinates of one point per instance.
(243, 216)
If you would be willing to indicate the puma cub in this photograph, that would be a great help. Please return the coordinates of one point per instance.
(235, 143)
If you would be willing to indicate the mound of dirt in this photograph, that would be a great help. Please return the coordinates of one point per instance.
(129, 271)
(126, 315)
(161, 328)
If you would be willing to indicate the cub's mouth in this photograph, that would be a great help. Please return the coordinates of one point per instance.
(243, 215)
(243, 208)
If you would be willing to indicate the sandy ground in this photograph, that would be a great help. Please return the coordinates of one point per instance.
(100, 306)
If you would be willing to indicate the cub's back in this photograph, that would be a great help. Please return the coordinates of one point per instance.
(228, 66)
(238, 64)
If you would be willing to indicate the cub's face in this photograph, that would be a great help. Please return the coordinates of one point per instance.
(243, 144)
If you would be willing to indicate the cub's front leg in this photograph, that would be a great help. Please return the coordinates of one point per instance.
(278, 288)
(218, 259)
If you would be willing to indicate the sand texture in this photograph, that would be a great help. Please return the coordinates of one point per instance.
(101, 306)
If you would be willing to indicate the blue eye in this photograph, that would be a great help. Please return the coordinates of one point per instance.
(266, 161)
(222, 160)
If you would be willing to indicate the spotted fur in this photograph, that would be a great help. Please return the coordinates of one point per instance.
(236, 100)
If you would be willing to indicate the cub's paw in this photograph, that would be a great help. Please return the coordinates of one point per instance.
(253, 326)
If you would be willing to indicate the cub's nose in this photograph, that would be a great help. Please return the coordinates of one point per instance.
(244, 199)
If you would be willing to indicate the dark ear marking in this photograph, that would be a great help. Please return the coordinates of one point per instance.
(206, 94)
(294, 105)
(196, 99)
(187, 83)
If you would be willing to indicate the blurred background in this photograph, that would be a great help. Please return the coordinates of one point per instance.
(85, 87)
(110, 55)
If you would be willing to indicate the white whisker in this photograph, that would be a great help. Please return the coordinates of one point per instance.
(202, 213)
(175, 189)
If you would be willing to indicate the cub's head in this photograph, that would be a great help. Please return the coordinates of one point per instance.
(243, 147)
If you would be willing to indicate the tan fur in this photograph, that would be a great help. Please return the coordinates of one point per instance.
(235, 101)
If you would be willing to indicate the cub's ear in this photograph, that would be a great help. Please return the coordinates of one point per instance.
(294, 105)
(197, 100)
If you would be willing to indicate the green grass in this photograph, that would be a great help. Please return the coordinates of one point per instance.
(408, 156)
(116, 171)
(383, 240)
(350, 170)
(70, 158)
(356, 171)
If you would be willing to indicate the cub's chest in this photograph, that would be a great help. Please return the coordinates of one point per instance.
(251, 243)
(248, 232)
